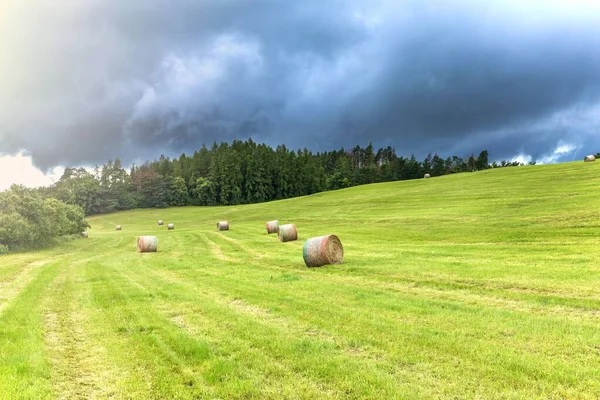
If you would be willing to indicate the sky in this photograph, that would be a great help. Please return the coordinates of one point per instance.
(82, 82)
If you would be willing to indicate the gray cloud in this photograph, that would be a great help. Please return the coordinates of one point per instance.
(83, 83)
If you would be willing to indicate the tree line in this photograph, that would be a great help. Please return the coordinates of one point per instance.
(29, 221)
(244, 172)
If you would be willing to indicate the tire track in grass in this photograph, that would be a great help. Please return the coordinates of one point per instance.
(79, 365)
(162, 360)
(224, 304)
(240, 306)
(292, 328)
(217, 251)
(237, 243)
(262, 334)
(487, 294)
(11, 266)
(245, 354)
(491, 296)
(25, 370)
(174, 240)
(383, 316)
(11, 290)
(296, 328)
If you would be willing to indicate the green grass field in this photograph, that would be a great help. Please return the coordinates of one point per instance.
(482, 285)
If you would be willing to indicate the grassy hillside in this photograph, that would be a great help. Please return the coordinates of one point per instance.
(483, 285)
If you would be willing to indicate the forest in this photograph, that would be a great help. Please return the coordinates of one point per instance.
(240, 172)
(244, 172)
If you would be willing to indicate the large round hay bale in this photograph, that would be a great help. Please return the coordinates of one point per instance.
(287, 233)
(426, 176)
(118, 227)
(323, 250)
(223, 225)
(170, 227)
(272, 227)
(84, 234)
(147, 244)
(160, 222)
(590, 158)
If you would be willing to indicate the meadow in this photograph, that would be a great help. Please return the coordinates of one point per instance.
(474, 285)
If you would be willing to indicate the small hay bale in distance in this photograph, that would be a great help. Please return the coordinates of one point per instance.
(170, 227)
(161, 222)
(272, 227)
(147, 244)
(118, 227)
(590, 158)
(287, 233)
(84, 234)
(323, 250)
(223, 225)
(427, 176)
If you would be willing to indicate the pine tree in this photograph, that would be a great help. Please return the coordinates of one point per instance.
(341, 178)
(482, 161)
(437, 166)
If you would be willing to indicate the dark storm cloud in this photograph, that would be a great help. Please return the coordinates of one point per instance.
(104, 79)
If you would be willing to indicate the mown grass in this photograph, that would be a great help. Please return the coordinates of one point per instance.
(482, 285)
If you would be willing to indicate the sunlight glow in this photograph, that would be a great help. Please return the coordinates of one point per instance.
(19, 169)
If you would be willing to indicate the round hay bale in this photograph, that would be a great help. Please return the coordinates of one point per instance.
(170, 227)
(84, 234)
(590, 158)
(147, 244)
(287, 233)
(427, 176)
(223, 225)
(118, 227)
(160, 222)
(323, 250)
(272, 227)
